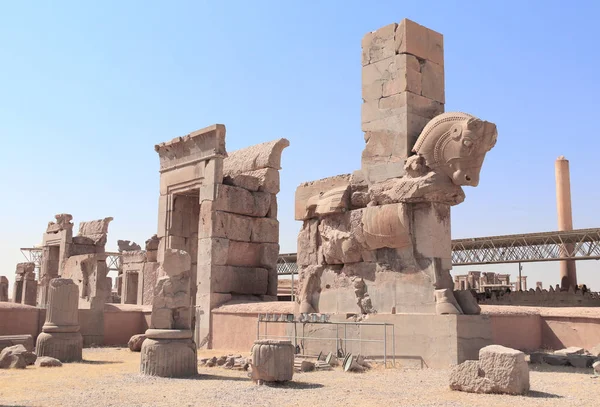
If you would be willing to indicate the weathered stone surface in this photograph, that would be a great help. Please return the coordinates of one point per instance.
(16, 357)
(272, 361)
(499, 370)
(239, 280)
(169, 357)
(581, 361)
(252, 254)
(12, 340)
(386, 226)
(462, 157)
(572, 350)
(217, 224)
(263, 180)
(175, 262)
(595, 351)
(3, 289)
(63, 221)
(536, 357)
(432, 85)
(419, 185)
(95, 227)
(445, 303)
(137, 256)
(135, 342)
(199, 145)
(467, 302)
(265, 155)
(128, 246)
(308, 246)
(47, 361)
(378, 45)
(422, 42)
(89, 272)
(339, 244)
(556, 360)
(241, 201)
(152, 243)
(596, 367)
(322, 197)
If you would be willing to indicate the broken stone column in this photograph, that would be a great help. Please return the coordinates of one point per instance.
(272, 361)
(60, 337)
(124, 246)
(3, 289)
(169, 350)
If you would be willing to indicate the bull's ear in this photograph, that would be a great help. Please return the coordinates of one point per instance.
(475, 124)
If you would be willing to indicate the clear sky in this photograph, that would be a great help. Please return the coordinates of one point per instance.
(88, 88)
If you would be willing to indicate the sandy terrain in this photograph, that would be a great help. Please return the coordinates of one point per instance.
(109, 377)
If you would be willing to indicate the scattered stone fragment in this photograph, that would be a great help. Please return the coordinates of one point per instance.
(595, 351)
(571, 350)
(203, 361)
(536, 357)
(212, 362)
(222, 360)
(303, 365)
(47, 361)
(498, 370)
(230, 363)
(556, 360)
(16, 357)
(596, 367)
(581, 361)
(135, 342)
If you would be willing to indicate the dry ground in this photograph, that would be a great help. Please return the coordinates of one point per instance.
(109, 377)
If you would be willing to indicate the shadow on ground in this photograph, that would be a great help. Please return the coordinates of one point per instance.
(99, 362)
(542, 395)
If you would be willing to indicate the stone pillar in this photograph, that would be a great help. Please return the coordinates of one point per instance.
(539, 284)
(3, 289)
(169, 350)
(568, 273)
(29, 288)
(402, 90)
(60, 337)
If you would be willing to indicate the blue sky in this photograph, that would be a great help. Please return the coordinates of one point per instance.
(88, 89)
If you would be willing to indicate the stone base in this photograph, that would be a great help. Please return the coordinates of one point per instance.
(169, 353)
(421, 340)
(65, 347)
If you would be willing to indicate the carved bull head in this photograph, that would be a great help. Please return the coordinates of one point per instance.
(456, 143)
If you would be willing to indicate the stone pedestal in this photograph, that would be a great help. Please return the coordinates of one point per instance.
(272, 361)
(169, 353)
(60, 337)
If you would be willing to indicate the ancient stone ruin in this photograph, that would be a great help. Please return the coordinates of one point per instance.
(138, 272)
(378, 240)
(219, 241)
(60, 337)
(25, 287)
(272, 361)
(3, 289)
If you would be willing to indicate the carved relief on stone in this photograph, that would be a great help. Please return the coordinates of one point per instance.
(63, 221)
(339, 244)
(386, 226)
(455, 144)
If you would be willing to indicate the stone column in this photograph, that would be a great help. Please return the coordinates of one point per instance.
(402, 90)
(60, 337)
(169, 350)
(3, 289)
(29, 288)
(568, 273)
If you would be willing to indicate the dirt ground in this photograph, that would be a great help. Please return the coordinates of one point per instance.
(109, 377)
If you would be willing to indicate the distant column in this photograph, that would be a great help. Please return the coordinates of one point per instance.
(568, 273)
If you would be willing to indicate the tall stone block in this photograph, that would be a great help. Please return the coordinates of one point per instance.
(60, 337)
(403, 88)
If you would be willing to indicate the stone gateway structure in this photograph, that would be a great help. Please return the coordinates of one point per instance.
(218, 241)
(377, 241)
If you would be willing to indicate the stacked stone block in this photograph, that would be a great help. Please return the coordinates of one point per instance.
(60, 337)
(402, 89)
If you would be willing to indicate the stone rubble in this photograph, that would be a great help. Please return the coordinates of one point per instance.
(135, 342)
(16, 357)
(47, 361)
(572, 356)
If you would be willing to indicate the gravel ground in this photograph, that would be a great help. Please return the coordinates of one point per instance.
(109, 377)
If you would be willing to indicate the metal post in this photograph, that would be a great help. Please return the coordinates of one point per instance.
(345, 348)
(385, 345)
(292, 292)
(394, 344)
(258, 329)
